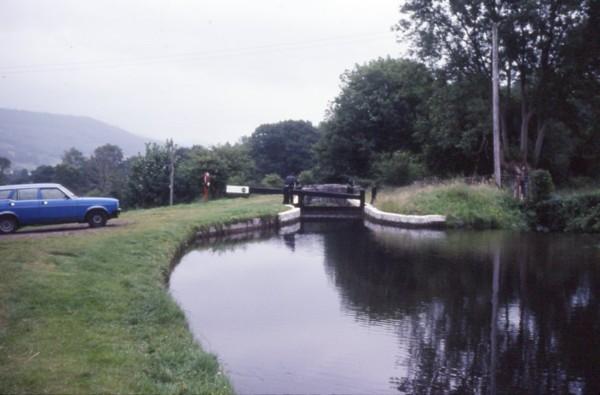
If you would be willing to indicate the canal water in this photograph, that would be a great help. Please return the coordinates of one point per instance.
(344, 308)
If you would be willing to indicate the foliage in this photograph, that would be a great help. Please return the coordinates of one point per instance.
(43, 173)
(106, 168)
(455, 137)
(95, 303)
(73, 171)
(283, 148)
(273, 181)
(307, 177)
(540, 185)
(472, 206)
(397, 168)
(148, 183)
(377, 111)
(548, 50)
(4, 166)
(573, 213)
(143, 180)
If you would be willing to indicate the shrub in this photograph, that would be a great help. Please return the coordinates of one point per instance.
(548, 215)
(272, 180)
(540, 185)
(577, 213)
(398, 168)
(307, 177)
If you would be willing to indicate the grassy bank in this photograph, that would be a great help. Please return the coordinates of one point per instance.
(88, 311)
(473, 206)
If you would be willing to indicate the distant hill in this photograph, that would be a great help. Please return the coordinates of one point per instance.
(30, 139)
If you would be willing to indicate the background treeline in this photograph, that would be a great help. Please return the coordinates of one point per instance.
(398, 120)
(269, 154)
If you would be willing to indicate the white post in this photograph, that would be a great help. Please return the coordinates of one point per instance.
(496, 106)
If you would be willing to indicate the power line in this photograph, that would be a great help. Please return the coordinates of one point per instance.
(190, 56)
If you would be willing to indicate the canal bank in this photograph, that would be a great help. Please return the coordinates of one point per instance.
(87, 312)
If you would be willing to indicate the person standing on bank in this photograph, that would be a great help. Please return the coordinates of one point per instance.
(206, 179)
(290, 184)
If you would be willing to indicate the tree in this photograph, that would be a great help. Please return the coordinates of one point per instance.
(148, 183)
(106, 169)
(454, 35)
(283, 148)
(43, 173)
(455, 138)
(4, 166)
(378, 110)
(72, 171)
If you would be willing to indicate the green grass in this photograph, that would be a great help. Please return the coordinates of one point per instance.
(473, 206)
(89, 312)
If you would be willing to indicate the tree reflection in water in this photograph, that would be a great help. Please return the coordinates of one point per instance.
(482, 312)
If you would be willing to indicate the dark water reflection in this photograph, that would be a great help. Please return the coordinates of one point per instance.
(350, 309)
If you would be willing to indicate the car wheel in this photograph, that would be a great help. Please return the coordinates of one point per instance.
(8, 225)
(97, 219)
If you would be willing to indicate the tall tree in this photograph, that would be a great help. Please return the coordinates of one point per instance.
(284, 147)
(4, 166)
(378, 110)
(72, 171)
(106, 168)
(455, 35)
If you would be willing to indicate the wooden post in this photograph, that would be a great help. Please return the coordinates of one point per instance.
(496, 106)
(171, 148)
(362, 198)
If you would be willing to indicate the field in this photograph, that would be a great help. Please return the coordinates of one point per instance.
(87, 311)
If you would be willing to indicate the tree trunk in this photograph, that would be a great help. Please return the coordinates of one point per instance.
(505, 108)
(496, 107)
(504, 147)
(525, 118)
(539, 141)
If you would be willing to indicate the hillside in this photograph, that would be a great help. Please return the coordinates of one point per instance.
(30, 139)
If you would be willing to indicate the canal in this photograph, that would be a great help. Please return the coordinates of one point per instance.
(353, 309)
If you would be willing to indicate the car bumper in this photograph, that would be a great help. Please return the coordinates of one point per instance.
(116, 213)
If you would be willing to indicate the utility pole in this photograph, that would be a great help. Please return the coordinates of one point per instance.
(171, 148)
(496, 106)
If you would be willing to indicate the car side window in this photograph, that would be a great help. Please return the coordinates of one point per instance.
(5, 194)
(53, 194)
(27, 194)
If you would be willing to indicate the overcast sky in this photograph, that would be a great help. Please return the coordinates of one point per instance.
(204, 71)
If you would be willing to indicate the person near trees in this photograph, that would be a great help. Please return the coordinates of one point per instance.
(290, 184)
(206, 180)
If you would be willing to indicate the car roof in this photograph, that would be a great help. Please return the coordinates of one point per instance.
(22, 186)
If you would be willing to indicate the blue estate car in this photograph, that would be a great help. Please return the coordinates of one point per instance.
(43, 204)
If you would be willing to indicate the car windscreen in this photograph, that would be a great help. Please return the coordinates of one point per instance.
(67, 192)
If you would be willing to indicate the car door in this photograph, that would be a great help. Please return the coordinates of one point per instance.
(56, 207)
(26, 205)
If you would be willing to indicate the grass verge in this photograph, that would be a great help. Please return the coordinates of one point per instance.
(473, 206)
(88, 312)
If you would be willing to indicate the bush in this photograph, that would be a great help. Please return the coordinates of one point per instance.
(578, 213)
(540, 185)
(548, 215)
(398, 168)
(307, 177)
(272, 180)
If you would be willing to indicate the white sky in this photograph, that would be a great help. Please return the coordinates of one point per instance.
(205, 71)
